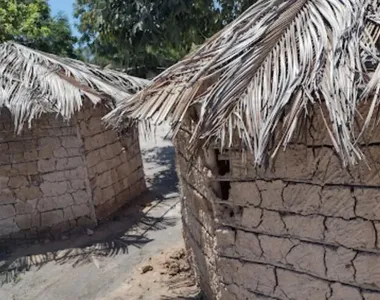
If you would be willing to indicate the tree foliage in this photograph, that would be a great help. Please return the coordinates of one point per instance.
(148, 35)
(29, 22)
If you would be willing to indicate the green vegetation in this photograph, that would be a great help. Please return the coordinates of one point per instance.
(147, 36)
(142, 37)
(29, 22)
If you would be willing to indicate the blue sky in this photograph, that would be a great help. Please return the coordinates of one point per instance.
(65, 6)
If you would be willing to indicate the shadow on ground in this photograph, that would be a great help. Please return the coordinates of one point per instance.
(164, 181)
(128, 228)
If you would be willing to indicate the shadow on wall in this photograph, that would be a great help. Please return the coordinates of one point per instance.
(109, 239)
(160, 171)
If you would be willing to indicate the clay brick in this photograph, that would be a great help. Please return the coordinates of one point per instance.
(55, 188)
(98, 197)
(339, 264)
(5, 159)
(46, 165)
(45, 153)
(81, 210)
(272, 223)
(77, 184)
(368, 203)
(69, 130)
(24, 221)
(109, 192)
(7, 196)
(275, 249)
(26, 168)
(71, 142)
(17, 182)
(248, 245)
(81, 197)
(104, 180)
(78, 173)
(303, 199)
(251, 276)
(68, 214)
(28, 193)
(308, 227)
(31, 155)
(307, 257)
(252, 217)
(367, 269)
(93, 158)
(24, 208)
(340, 292)
(337, 202)
(298, 286)
(69, 163)
(271, 194)
(371, 296)
(245, 193)
(54, 177)
(60, 153)
(352, 234)
(296, 162)
(7, 211)
(63, 201)
(46, 204)
(3, 182)
(51, 218)
(17, 158)
(17, 146)
(49, 142)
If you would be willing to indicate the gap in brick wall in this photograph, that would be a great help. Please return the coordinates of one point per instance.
(223, 169)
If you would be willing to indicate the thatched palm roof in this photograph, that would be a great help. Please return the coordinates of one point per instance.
(33, 82)
(272, 64)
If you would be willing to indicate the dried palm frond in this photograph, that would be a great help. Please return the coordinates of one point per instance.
(269, 65)
(33, 82)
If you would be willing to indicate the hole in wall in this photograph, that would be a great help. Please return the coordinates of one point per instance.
(223, 169)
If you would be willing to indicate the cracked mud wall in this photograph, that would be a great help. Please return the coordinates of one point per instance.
(59, 175)
(302, 229)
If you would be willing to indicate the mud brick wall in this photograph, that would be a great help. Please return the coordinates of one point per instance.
(114, 163)
(303, 228)
(198, 216)
(59, 175)
(42, 178)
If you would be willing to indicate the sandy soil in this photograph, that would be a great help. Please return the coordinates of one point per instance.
(166, 276)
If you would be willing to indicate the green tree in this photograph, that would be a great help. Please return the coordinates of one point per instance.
(148, 35)
(29, 22)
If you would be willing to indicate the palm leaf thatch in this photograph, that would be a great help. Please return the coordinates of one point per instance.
(270, 65)
(33, 82)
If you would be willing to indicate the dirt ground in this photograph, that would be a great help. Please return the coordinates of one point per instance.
(166, 276)
(107, 263)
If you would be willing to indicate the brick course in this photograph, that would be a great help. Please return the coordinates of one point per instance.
(302, 229)
(47, 177)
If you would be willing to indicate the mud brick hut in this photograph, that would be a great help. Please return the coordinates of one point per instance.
(60, 167)
(277, 143)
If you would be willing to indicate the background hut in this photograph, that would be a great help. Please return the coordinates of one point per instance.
(260, 222)
(60, 167)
